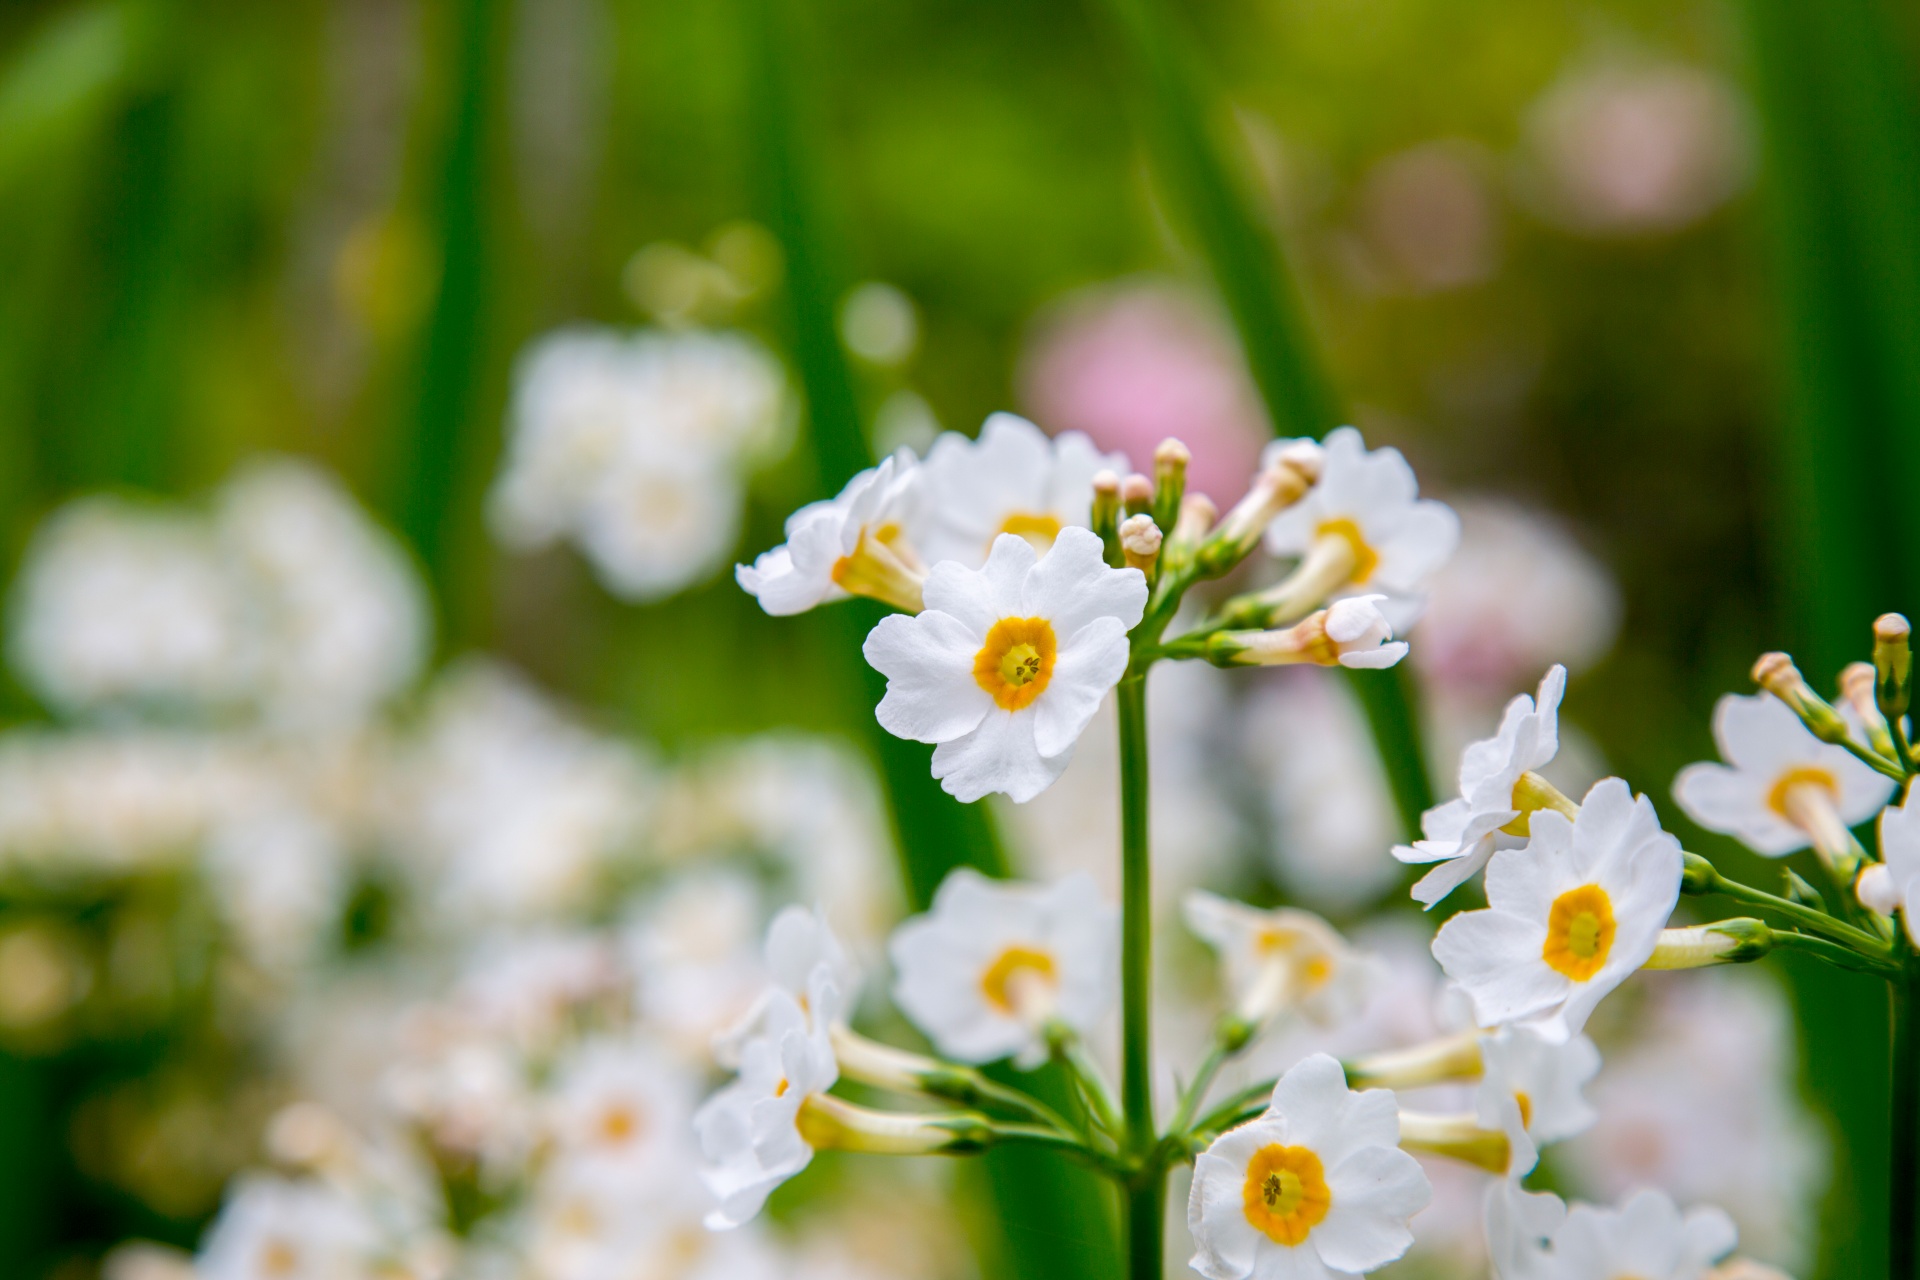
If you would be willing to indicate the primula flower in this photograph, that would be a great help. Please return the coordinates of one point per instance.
(1895, 884)
(1283, 960)
(1013, 479)
(1530, 1089)
(1782, 788)
(799, 942)
(1497, 792)
(1350, 633)
(1568, 917)
(617, 1115)
(991, 965)
(1008, 663)
(1520, 1229)
(750, 1130)
(1315, 1187)
(853, 544)
(1362, 526)
(1646, 1238)
(275, 1227)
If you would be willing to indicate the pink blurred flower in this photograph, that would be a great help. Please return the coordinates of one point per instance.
(1135, 362)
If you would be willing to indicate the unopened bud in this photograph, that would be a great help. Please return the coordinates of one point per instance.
(1737, 941)
(827, 1123)
(1776, 673)
(1283, 482)
(1140, 543)
(1857, 691)
(1892, 665)
(1169, 481)
(1197, 514)
(1106, 515)
(1697, 875)
(1136, 495)
(1798, 890)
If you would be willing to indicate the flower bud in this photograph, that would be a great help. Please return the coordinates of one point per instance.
(1697, 875)
(1857, 690)
(828, 1123)
(1136, 495)
(1106, 515)
(1281, 484)
(1169, 481)
(1197, 514)
(1140, 543)
(1776, 673)
(1892, 665)
(1735, 941)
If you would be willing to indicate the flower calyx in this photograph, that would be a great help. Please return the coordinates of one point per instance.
(1737, 941)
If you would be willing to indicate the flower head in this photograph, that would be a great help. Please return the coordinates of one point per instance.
(1568, 917)
(991, 965)
(1283, 960)
(1013, 479)
(1520, 1229)
(1351, 633)
(1489, 812)
(278, 1229)
(1008, 663)
(617, 1113)
(1314, 1188)
(1781, 788)
(1365, 522)
(853, 544)
(799, 945)
(1647, 1238)
(1530, 1089)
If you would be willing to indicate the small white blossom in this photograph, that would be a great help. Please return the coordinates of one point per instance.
(1462, 834)
(1373, 529)
(277, 1229)
(799, 944)
(1316, 1187)
(1284, 960)
(1013, 479)
(1569, 917)
(1361, 633)
(1895, 883)
(617, 1113)
(857, 543)
(1781, 788)
(1520, 1230)
(1530, 1088)
(990, 964)
(1008, 663)
(1647, 1238)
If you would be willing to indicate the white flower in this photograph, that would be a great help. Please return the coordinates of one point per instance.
(1782, 789)
(858, 543)
(1361, 634)
(990, 964)
(799, 945)
(276, 1229)
(1462, 834)
(281, 876)
(1646, 1238)
(1520, 1229)
(1013, 479)
(750, 1131)
(695, 951)
(659, 519)
(618, 1114)
(1364, 525)
(1530, 1089)
(1895, 883)
(1350, 633)
(1284, 960)
(1008, 663)
(1569, 917)
(1315, 1187)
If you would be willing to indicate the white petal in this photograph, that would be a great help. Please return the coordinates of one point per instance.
(981, 597)
(1496, 960)
(1000, 755)
(1073, 586)
(1375, 1191)
(1084, 670)
(928, 662)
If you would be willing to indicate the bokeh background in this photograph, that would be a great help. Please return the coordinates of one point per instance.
(1632, 284)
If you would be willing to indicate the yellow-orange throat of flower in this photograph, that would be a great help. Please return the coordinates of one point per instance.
(1016, 662)
(1781, 798)
(1286, 1194)
(1037, 527)
(1579, 932)
(1365, 559)
(1012, 972)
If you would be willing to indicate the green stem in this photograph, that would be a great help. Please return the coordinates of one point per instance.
(1202, 1080)
(1874, 760)
(1146, 1198)
(1838, 956)
(973, 1089)
(1039, 1136)
(1090, 1084)
(1903, 1245)
(1819, 921)
(1901, 748)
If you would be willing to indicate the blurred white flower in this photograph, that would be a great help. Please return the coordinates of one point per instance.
(1282, 961)
(281, 876)
(277, 1229)
(527, 991)
(1569, 917)
(878, 323)
(990, 964)
(1645, 1237)
(633, 447)
(1013, 479)
(1899, 873)
(1520, 1229)
(694, 948)
(1008, 663)
(1530, 1090)
(857, 543)
(1462, 834)
(800, 944)
(618, 1114)
(1781, 789)
(1314, 1188)
(1704, 1101)
(1626, 150)
(512, 810)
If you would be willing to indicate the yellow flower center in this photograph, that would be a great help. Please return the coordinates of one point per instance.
(1526, 1109)
(1016, 662)
(619, 1124)
(1037, 527)
(1311, 968)
(1365, 559)
(1780, 796)
(1579, 932)
(278, 1258)
(1286, 1193)
(1013, 971)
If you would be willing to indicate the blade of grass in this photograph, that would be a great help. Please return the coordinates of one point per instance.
(1250, 270)
(1050, 1213)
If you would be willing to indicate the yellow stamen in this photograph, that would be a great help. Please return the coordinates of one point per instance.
(1365, 559)
(1037, 527)
(1016, 662)
(1013, 970)
(1286, 1193)
(882, 566)
(619, 1124)
(1579, 932)
(1526, 1109)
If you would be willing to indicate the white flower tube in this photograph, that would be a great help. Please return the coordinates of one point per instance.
(1008, 663)
(990, 965)
(1315, 1187)
(1569, 917)
(859, 543)
(1491, 811)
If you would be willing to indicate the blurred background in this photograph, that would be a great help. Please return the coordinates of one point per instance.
(382, 734)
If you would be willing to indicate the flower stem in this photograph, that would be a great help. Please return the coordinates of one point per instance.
(1903, 1245)
(1146, 1198)
(1703, 879)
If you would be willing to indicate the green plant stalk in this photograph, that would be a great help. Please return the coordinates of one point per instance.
(1903, 1205)
(1819, 921)
(1834, 954)
(1146, 1195)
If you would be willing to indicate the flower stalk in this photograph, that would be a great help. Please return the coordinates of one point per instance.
(1146, 1196)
